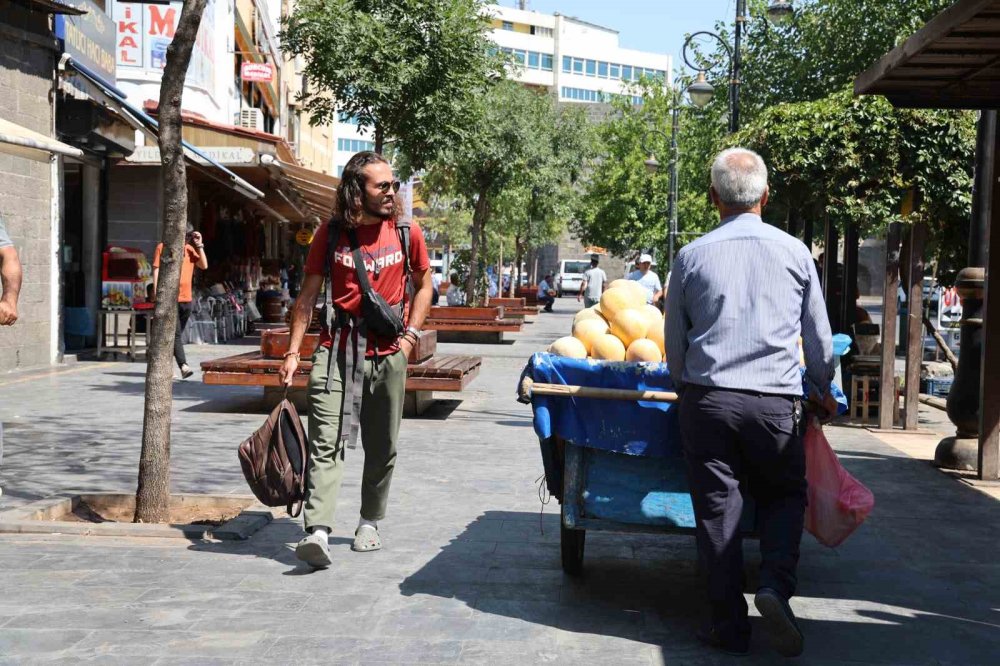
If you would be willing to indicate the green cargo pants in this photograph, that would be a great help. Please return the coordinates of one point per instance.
(381, 413)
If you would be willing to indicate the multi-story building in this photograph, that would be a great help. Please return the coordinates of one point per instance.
(575, 60)
(579, 63)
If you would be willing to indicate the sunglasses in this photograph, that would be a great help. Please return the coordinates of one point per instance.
(385, 186)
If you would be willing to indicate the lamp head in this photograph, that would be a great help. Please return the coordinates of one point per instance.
(652, 164)
(701, 91)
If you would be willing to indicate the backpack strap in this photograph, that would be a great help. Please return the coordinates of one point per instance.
(403, 229)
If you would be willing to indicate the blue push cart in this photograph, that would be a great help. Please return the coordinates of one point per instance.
(614, 465)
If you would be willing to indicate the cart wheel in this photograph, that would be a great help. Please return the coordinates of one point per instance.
(571, 544)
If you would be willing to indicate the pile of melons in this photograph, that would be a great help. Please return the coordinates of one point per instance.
(622, 327)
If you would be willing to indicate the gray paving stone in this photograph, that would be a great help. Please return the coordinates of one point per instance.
(36, 641)
(471, 571)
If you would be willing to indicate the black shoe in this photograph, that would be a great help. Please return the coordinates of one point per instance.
(739, 647)
(779, 621)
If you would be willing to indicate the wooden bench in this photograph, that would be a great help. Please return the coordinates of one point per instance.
(516, 307)
(425, 374)
(529, 294)
(473, 325)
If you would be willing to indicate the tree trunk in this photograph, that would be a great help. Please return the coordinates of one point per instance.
(152, 496)
(379, 138)
(479, 217)
(515, 270)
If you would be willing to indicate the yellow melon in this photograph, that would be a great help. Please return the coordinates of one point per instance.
(589, 330)
(655, 335)
(643, 350)
(614, 301)
(629, 325)
(586, 313)
(608, 348)
(597, 309)
(569, 347)
(640, 292)
(654, 318)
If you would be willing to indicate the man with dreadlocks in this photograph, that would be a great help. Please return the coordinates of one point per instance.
(364, 255)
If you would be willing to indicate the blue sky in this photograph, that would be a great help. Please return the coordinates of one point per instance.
(646, 25)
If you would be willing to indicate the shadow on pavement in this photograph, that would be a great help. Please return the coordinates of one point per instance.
(918, 583)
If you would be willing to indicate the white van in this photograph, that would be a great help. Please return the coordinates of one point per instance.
(570, 277)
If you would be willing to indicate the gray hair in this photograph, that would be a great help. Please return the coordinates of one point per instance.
(739, 177)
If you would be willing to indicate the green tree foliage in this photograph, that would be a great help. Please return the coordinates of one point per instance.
(852, 159)
(407, 69)
(519, 142)
(624, 207)
(828, 44)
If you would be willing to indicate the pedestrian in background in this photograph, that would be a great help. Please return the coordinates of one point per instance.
(739, 299)
(594, 283)
(193, 256)
(647, 278)
(10, 275)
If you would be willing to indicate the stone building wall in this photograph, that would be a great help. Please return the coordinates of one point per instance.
(27, 66)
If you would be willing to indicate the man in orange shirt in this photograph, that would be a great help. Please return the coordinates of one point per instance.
(194, 255)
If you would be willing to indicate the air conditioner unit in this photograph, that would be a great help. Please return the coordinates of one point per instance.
(252, 119)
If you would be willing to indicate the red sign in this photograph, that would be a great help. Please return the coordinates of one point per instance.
(256, 71)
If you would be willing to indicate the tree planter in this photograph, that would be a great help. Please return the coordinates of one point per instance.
(222, 517)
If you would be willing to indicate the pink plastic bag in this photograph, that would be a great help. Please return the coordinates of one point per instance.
(838, 503)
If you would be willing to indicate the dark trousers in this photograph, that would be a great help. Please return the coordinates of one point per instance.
(547, 301)
(737, 442)
(183, 314)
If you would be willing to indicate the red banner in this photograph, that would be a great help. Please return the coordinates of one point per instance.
(256, 71)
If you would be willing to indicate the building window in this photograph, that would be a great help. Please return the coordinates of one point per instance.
(591, 68)
(347, 119)
(567, 64)
(616, 71)
(519, 57)
(627, 72)
(547, 62)
(340, 171)
(534, 59)
(507, 25)
(578, 66)
(354, 145)
(539, 31)
(602, 70)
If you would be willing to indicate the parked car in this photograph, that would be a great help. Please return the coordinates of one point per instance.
(570, 277)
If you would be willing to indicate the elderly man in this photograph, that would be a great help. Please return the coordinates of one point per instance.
(739, 299)
(546, 294)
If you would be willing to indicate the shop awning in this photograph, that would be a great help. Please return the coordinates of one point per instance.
(115, 101)
(314, 191)
(23, 142)
(953, 62)
(55, 7)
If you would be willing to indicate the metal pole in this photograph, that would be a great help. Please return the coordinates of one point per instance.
(672, 207)
(734, 85)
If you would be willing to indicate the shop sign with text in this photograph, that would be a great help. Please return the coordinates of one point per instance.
(256, 71)
(144, 31)
(89, 38)
(224, 155)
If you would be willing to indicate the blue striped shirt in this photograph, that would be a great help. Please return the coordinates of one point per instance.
(739, 299)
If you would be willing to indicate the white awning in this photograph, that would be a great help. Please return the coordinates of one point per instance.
(23, 142)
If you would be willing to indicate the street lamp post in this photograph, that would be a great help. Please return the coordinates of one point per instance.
(779, 12)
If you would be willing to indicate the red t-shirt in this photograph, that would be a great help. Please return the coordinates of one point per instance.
(381, 250)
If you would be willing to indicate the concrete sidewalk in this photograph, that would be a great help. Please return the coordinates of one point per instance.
(470, 572)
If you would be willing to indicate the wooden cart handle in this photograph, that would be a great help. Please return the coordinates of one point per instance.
(531, 388)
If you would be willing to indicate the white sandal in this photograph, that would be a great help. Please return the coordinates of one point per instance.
(366, 539)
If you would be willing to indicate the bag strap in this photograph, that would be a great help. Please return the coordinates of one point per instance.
(359, 262)
(403, 229)
(332, 238)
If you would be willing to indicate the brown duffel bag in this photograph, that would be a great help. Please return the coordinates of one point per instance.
(275, 458)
